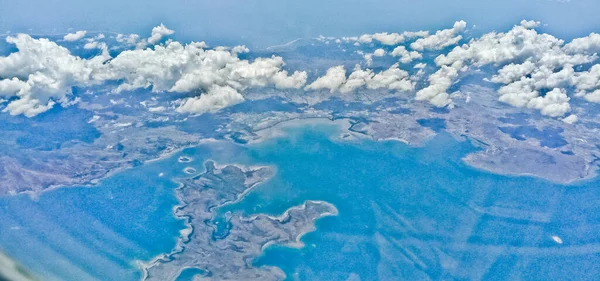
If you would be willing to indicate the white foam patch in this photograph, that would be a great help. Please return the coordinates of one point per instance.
(184, 159)
(557, 239)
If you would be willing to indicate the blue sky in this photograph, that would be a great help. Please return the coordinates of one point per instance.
(263, 22)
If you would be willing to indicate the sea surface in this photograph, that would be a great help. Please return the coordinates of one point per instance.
(405, 213)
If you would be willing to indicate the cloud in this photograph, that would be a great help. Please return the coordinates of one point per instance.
(41, 73)
(44, 73)
(440, 39)
(357, 79)
(593, 96)
(392, 78)
(379, 52)
(554, 104)
(369, 57)
(175, 67)
(530, 63)
(420, 65)
(405, 55)
(158, 33)
(530, 24)
(130, 39)
(439, 83)
(75, 36)
(384, 38)
(517, 45)
(216, 98)
(585, 45)
(332, 80)
(335, 79)
(571, 119)
(518, 93)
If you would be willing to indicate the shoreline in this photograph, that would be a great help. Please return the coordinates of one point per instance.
(277, 130)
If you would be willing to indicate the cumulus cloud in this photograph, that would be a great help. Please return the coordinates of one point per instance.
(439, 83)
(593, 96)
(379, 52)
(75, 36)
(517, 45)
(530, 24)
(441, 39)
(156, 36)
(216, 98)
(158, 33)
(554, 104)
(385, 38)
(42, 73)
(392, 78)
(130, 39)
(530, 63)
(588, 45)
(186, 68)
(332, 80)
(405, 55)
(571, 119)
(369, 57)
(335, 79)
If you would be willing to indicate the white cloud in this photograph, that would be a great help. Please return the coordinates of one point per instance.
(554, 104)
(8, 87)
(586, 45)
(358, 78)
(518, 93)
(239, 50)
(532, 62)
(46, 73)
(593, 96)
(217, 98)
(75, 36)
(130, 39)
(369, 57)
(570, 119)
(439, 83)
(513, 72)
(379, 52)
(42, 73)
(392, 78)
(335, 79)
(332, 80)
(588, 80)
(95, 45)
(405, 55)
(441, 39)
(385, 38)
(530, 24)
(158, 33)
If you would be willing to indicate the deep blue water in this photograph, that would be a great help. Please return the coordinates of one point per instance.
(405, 214)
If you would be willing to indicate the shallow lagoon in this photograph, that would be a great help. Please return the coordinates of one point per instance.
(405, 214)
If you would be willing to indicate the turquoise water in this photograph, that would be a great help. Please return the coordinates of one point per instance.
(99, 233)
(405, 214)
(421, 213)
(188, 274)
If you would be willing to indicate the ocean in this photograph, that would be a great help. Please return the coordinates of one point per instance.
(405, 213)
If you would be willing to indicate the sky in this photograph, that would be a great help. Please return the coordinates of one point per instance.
(261, 23)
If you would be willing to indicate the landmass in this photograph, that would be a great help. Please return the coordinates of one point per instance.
(223, 248)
